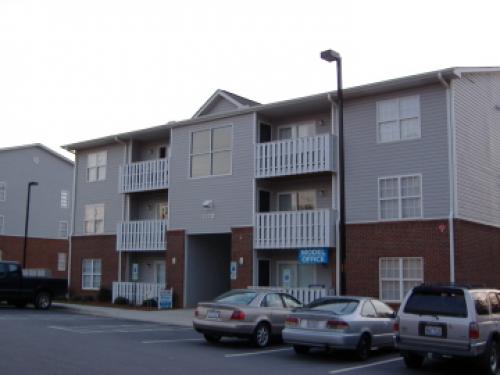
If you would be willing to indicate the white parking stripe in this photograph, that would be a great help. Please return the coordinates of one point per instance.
(256, 353)
(169, 341)
(340, 371)
(124, 328)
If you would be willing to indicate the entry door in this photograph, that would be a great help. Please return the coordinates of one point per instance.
(287, 274)
(265, 133)
(264, 201)
(163, 211)
(160, 274)
(264, 272)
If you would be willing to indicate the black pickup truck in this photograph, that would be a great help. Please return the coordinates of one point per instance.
(20, 290)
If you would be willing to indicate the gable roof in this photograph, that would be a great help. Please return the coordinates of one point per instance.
(238, 101)
(40, 146)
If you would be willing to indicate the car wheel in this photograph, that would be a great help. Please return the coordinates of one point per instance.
(301, 349)
(212, 338)
(413, 360)
(43, 300)
(363, 348)
(262, 335)
(490, 358)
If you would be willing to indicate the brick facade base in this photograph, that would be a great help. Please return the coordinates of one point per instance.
(367, 243)
(93, 247)
(175, 255)
(40, 252)
(242, 247)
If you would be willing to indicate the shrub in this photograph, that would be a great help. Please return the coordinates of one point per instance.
(88, 299)
(104, 295)
(75, 298)
(150, 303)
(121, 301)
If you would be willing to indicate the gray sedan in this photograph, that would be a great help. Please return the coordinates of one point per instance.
(353, 323)
(247, 313)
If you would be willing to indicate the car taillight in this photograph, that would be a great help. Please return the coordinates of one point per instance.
(238, 315)
(196, 312)
(473, 331)
(395, 326)
(336, 324)
(292, 321)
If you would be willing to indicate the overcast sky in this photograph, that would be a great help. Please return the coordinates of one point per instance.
(74, 70)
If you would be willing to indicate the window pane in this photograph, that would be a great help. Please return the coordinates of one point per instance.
(285, 202)
(92, 160)
(92, 174)
(99, 211)
(97, 266)
(86, 266)
(306, 130)
(200, 142)
(410, 128)
(89, 226)
(101, 158)
(101, 173)
(388, 110)
(200, 165)
(388, 131)
(221, 162)
(96, 282)
(285, 133)
(410, 186)
(306, 200)
(86, 280)
(388, 188)
(389, 268)
(221, 138)
(389, 209)
(408, 107)
(99, 226)
(390, 291)
(412, 268)
(411, 207)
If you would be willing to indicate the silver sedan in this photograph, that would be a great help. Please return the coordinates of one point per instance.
(247, 313)
(353, 323)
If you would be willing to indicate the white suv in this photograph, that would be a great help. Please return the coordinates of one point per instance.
(446, 321)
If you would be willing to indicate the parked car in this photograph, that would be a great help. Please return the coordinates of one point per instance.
(20, 290)
(246, 313)
(450, 321)
(353, 323)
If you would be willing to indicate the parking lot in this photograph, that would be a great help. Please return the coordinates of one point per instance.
(61, 342)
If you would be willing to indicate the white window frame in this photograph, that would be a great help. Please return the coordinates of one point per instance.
(92, 274)
(210, 152)
(64, 198)
(399, 119)
(62, 259)
(2, 224)
(3, 191)
(97, 166)
(65, 224)
(94, 220)
(400, 198)
(400, 278)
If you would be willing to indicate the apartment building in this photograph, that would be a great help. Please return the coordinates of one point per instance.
(246, 193)
(50, 208)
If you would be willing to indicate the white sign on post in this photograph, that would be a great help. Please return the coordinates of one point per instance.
(233, 270)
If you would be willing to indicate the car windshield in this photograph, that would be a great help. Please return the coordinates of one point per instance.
(437, 302)
(335, 306)
(237, 298)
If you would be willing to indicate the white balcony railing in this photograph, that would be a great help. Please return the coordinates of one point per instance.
(294, 229)
(145, 235)
(143, 175)
(294, 156)
(136, 293)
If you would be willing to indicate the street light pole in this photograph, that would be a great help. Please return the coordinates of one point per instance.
(26, 221)
(330, 56)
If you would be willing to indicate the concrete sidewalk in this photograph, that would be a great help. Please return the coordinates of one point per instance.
(179, 317)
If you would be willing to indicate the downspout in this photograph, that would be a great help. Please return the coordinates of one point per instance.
(118, 140)
(451, 169)
(72, 230)
(337, 237)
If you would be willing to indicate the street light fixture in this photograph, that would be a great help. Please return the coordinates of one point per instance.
(30, 184)
(331, 56)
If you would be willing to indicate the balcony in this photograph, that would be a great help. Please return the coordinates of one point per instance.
(143, 176)
(144, 235)
(294, 229)
(295, 156)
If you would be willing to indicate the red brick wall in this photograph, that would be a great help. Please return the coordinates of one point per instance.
(477, 253)
(93, 247)
(242, 246)
(176, 242)
(40, 252)
(366, 243)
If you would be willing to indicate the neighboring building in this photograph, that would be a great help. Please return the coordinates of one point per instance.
(50, 208)
(254, 187)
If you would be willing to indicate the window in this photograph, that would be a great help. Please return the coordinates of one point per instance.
(211, 152)
(481, 303)
(368, 311)
(300, 200)
(383, 311)
(495, 303)
(64, 199)
(61, 262)
(306, 129)
(2, 224)
(290, 301)
(63, 229)
(91, 274)
(400, 197)
(3, 191)
(398, 119)
(273, 300)
(96, 166)
(398, 276)
(94, 218)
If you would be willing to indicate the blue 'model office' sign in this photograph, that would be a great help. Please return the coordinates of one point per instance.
(313, 256)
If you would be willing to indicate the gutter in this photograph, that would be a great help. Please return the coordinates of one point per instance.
(72, 231)
(125, 158)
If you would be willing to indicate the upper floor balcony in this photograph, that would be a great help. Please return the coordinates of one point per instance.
(295, 156)
(141, 235)
(143, 176)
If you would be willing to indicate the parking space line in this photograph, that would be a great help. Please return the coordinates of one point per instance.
(124, 328)
(340, 371)
(169, 341)
(256, 353)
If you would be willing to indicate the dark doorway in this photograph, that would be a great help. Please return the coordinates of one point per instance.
(265, 133)
(264, 272)
(162, 152)
(264, 201)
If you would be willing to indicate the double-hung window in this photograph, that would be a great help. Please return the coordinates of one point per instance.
(398, 119)
(211, 152)
(400, 197)
(2, 224)
(61, 261)
(398, 275)
(64, 198)
(96, 166)
(91, 274)
(3, 191)
(63, 229)
(94, 218)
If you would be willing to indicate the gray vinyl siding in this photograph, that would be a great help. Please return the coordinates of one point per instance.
(17, 168)
(231, 194)
(145, 206)
(220, 105)
(477, 134)
(105, 191)
(366, 161)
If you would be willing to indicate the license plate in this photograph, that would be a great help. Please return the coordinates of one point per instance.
(433, 331)
(213, 314)
(311, 324)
